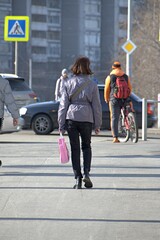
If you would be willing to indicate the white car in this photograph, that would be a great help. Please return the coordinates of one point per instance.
(7, 124)
(23, 95)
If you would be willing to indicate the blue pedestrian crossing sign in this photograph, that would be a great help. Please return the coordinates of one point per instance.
(16, 28)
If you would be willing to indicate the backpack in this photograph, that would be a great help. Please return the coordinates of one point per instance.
(121, 89)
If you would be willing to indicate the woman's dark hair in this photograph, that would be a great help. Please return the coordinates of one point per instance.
(81, 66)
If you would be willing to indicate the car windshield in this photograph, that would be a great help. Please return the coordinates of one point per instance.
(18, 84)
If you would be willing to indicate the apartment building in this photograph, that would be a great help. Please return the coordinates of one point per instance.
(5, 47)
(61, 30)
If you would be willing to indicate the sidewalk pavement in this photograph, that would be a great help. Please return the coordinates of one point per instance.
(155, 132)
(37, 201)
(151, 133)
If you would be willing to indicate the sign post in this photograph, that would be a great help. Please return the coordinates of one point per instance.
(129, 46)
(16, 58)
(16, 28)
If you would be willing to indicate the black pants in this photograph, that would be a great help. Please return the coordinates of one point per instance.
(1, 119)
(77, 130)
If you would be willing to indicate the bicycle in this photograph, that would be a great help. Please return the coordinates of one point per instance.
(127, 126)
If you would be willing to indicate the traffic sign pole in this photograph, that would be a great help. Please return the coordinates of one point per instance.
(16, 58)
(128, 61)
(129, 46)
(16, 28)
(30, 73)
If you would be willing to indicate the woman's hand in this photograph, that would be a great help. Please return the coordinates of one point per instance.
(15, 121)
(62, 131)
(97, 130)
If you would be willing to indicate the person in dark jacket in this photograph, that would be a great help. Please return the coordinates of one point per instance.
(6, 98)
(78, 111)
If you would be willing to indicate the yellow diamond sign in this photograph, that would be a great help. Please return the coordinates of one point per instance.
(129, 47)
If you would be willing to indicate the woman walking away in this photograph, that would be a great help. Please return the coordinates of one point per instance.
(79, 109)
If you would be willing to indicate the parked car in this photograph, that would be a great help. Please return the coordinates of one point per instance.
(7, 124)
(21, 91)
(42, 117)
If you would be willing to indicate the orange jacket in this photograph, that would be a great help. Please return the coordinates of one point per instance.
(107, 89)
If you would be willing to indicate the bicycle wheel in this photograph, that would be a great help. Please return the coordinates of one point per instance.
(133, 127)
(123, 133)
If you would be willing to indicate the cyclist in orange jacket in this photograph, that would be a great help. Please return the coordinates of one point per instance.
(114, 103)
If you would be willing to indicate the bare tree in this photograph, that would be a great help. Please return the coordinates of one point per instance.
(145, 60)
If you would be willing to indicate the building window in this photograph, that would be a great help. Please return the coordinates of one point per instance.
(92, 8)
(6, 1)
(53, 35)
(53, 3)
(39, 18)
(39, 34)
(54, 50)
(54, 19)
(93, 53)
(39, 50)
(39, 2)
(123, 10)
(92, 23)
(92, 38)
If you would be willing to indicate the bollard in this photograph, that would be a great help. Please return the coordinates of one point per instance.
(144, 119)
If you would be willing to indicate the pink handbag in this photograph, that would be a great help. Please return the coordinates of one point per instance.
(63, 150)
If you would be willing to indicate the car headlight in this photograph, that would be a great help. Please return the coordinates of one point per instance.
(22, 111)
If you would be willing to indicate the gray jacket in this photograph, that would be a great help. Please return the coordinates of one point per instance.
(85, 107)
(6, 98)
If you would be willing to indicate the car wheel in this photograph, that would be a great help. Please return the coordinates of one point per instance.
(42, 124)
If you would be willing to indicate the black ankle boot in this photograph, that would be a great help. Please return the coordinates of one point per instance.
(87, 181)
(78, 184)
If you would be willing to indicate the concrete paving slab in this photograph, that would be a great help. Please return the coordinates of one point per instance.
(37, 200)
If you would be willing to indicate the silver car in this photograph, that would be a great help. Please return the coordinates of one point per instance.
(22, 93)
